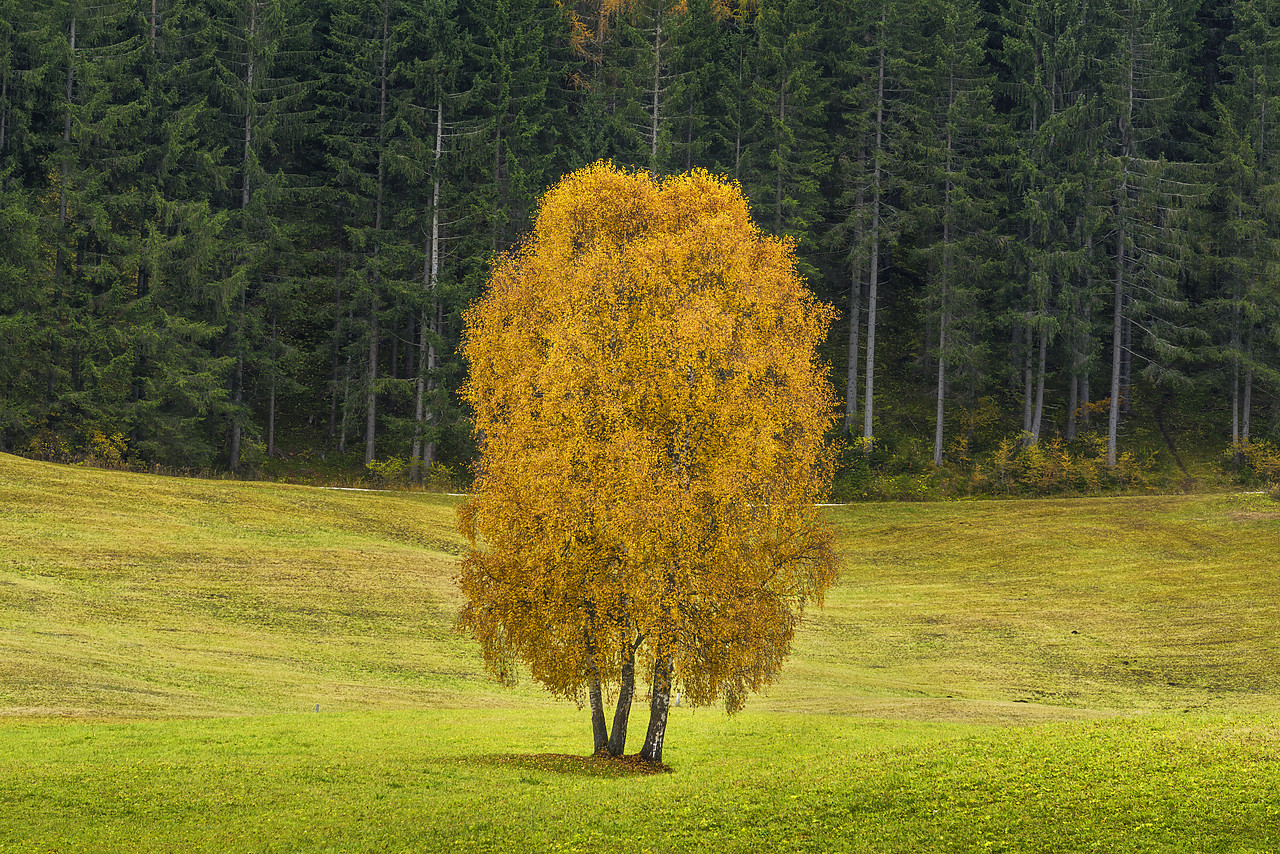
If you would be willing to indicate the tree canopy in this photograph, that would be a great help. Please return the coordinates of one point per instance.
(652, 420)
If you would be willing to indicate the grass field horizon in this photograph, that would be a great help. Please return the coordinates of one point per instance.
(1039, 675)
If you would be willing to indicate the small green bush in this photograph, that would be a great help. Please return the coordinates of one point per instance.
(388, 471)
(1258, 460)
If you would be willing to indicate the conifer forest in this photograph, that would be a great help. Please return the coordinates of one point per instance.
(237, 230)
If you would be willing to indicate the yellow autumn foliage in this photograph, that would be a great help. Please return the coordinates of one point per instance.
(651, 415)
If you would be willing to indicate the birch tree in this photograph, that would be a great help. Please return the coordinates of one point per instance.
(651, 417)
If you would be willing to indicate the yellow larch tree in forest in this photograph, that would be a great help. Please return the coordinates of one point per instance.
(652, 420)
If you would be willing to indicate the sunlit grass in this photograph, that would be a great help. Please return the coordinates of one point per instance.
(1069, 675)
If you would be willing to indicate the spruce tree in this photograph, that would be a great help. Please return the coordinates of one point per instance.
(700, 91)
(1141, 88)
(1049, 47)
(787, 158)
(952, 158)
(1246, 208)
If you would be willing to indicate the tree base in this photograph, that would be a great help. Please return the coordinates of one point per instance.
(633, 763)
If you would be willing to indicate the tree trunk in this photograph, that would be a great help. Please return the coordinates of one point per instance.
(426, 343)
(855, 307)
(346, 406)
(1117, 344)
(248, 106)
(1028, 381)
(1073, 394)
(236, 397)
(622, 713)
(336, 358)
(371, 400)
(868, 396)
(1235, 405)
(1038, 414)
(271, 395)
(1085, 393)
(855, 326)
(659, 706)
(1247, 405)
(1126, 364)
(944, 314)
(599, 732)
(1118, 319)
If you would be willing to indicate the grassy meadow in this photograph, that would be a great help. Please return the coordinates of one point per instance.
(215, 666)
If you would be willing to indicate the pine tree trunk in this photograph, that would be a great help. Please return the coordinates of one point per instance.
(1235, 404)
(1028, 381)
(855, 326)
(1073, 401)
(1085, 394)
(1126, 364)
(426, 342)
(1246, 404)
(659, 706)
(1038, 415)
(236, 397)
(1118, 318)
(1073, 383)
(1117, 344)
(271, 395)
(336, 359)
(346, 406)
(371, 400)
(868, 396)
(944, 312)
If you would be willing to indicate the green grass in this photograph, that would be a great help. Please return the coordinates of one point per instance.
(1063, 675)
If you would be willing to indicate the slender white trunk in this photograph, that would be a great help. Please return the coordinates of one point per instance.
(659, 706)
(426, 342)
(1039, 407)
(1028, 380)
(1247, 405)
(371, 401)
(855, 326)
(236, 397)
(1117, 319)
(944, 297)
(855, 304)
(271, 395)
(1117, 343)
(868, 397)
(371, 398)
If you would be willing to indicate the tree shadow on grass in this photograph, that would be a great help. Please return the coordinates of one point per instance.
(577, 766)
